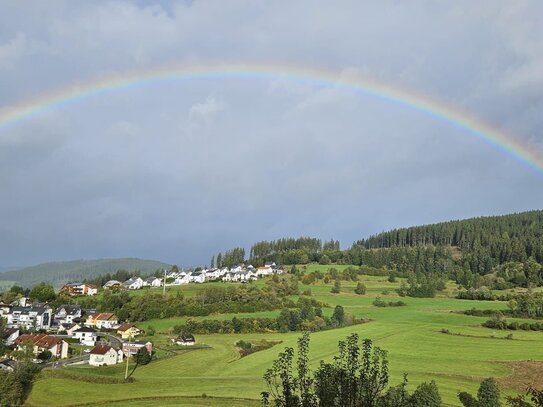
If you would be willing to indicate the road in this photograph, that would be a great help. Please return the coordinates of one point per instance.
(64, 362)
(114, 341)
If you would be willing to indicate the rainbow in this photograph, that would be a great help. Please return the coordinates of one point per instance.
(499, 139)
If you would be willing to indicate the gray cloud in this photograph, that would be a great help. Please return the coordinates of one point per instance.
(178, 170)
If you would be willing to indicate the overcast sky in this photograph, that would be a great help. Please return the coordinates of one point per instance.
(178, 171)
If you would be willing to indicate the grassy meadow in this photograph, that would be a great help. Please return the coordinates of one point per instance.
(215, 375)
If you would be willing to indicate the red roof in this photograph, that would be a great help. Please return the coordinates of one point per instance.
(40, 340)
(125, 327)
(104, 316)
(100, 350)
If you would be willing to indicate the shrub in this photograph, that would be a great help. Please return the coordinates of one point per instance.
(360, 289)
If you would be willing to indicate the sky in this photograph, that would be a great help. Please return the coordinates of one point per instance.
(179, 170)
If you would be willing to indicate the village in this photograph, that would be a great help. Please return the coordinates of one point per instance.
(72, 334)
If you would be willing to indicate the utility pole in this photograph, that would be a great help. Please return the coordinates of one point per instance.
(164, 285)
(127, 357)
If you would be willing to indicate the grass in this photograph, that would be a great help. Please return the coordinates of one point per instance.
(411, 335)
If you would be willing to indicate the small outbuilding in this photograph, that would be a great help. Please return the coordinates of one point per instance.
(185, 340)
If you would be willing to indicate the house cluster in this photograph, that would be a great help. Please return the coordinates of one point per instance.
(239, 273)
(134, 283)
(50, 331)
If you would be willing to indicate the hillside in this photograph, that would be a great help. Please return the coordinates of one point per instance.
(58, 273)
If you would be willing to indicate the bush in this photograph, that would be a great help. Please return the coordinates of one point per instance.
(337, 287)
(360, 289)
(378, 302)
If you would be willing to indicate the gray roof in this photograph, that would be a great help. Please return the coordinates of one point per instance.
(85, 329)
(130, 281)
(71, 309)
(27, 310)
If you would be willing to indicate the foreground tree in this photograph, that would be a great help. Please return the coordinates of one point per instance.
(488, 395)
(427, 395)
(357, 377)
(143, 356)
(16, 385)
(536, 396)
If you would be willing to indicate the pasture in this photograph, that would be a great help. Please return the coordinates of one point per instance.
(215, 375)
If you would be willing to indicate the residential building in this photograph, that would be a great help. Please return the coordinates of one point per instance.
(128, 331)
(185, 340)
(10, 335)
(111, 284)
(67, 314)
(264, 271)
(86, 336)
(131, 348)
(76, 289)
(103, 320)
(182, 278)
(4, 308)
(31, 318)
(8, 364)
(42, 342)
(103, 355)
(69, 328)
(197, 277)
(134, 283)
(152, 282)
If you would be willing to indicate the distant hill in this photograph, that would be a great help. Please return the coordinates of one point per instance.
(58, 273)
(3, 269)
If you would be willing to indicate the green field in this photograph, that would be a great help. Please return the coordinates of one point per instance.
(411, 334)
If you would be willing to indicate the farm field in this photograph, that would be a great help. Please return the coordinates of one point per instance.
(411, 335)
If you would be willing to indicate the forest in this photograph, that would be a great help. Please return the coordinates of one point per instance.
(498, 252)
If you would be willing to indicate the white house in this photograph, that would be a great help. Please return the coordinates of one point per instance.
(197, 277)
(31, 318)
(264, 271)
(69, 328)
(10, 335)
(4, 308)
(213, 274)
(152, 282)
(67, 314)
(184, 279)
(105, 355)
(8, 364)
(86, 336)
(184, 340)
(229, 277)
(134, 283)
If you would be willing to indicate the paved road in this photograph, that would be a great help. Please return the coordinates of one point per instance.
(64, 362)
(113, 340)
